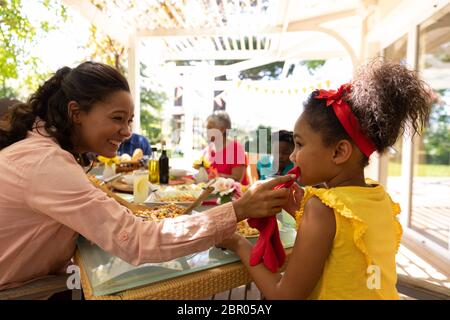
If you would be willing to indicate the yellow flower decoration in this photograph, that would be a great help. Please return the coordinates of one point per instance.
(109, 161)
(202, 162)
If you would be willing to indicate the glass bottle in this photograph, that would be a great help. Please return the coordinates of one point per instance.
(153, 167)
(163, 165)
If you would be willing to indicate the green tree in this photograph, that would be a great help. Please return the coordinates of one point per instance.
(312, 65)
(105, 49)
(437, 135)
(18, 35)
(252, 143)
(272, 70)
(151, 106)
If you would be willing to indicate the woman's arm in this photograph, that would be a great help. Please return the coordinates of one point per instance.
(311, 249)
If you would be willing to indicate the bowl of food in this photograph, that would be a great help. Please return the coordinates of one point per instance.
(178, 173)
(128, 179)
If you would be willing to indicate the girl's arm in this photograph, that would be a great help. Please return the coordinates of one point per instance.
(311, 249)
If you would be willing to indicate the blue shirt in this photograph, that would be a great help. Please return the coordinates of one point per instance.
(135, 141)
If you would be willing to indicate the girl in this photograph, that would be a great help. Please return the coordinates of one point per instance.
(348, 234)
(47, 199)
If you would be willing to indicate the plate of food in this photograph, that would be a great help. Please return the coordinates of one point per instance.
(158, 213)
(245, 230)
(175, 194)
(121, 185)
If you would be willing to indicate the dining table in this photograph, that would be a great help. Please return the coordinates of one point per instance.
(195, 276)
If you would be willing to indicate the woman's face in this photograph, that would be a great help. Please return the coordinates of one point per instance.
(102, 129)
(310, 154)
(214, 131)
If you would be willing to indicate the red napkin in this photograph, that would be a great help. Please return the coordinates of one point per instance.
(268, 247)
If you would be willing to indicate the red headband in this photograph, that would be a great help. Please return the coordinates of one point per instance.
(347, 118)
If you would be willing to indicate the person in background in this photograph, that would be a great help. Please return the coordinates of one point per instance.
(278, 163)
(134, 142)
(47, 200)
(227, 156)
(348, 231)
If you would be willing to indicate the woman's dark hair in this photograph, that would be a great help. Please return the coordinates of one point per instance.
(385, 97)
(6, 104)
(88, 83)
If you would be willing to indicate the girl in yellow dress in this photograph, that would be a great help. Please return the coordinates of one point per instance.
(348, 233)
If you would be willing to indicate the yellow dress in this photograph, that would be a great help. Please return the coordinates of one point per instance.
(361, 264)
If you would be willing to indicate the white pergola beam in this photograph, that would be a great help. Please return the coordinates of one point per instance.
(246, 54)
(114, 29)
(293, 26)
(402, 17)
(134, 81)
(285, 4)
(319, 20)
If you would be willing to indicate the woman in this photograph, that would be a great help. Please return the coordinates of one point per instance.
(48, 199)
(227, 156)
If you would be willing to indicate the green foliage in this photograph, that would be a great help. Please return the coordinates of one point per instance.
(151, 107)
(18, 35)
(437, 135)
(152, 103)
(105, 49)
(7, 92)
(15, 32)
(252, 144)
(421, 170)
(312, 65)
(268, 71)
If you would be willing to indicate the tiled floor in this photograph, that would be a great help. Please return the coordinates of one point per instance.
(430, 206)
(412, 265)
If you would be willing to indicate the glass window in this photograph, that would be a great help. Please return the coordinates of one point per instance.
(430, 214)
(396, 52)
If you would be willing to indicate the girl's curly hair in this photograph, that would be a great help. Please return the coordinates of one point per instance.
(385, 96)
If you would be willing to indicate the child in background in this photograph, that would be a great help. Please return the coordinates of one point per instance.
(348, 233)
(279, 162)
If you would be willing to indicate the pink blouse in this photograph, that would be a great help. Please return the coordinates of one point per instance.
(46, 200)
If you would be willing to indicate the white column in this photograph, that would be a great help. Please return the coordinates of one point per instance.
(408, 141)
(378, 163)
(378, 168)
(134, 80)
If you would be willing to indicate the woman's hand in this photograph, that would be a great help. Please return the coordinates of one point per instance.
(295, 197)
(260, 200)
